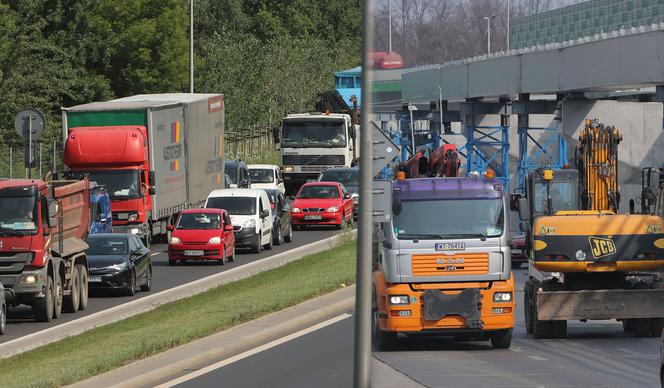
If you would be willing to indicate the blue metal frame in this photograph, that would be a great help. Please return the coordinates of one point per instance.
(528, 160)
(477, 160)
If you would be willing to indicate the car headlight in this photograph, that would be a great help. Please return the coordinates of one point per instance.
(502, 297)
(134, 231)
(133, 217)
(295, 210)
(288, 169)
(333, 209)
(398, 299)
(118, 267)
(215, 240)
(249, 223)
(175, 240)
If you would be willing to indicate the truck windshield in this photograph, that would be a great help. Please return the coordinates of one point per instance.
(327, 133)
(449, 219)
(349, 178)
(17, 210)
(120, 184)
(235, 206)
(563, 196)
(199, 221)
(261, 175)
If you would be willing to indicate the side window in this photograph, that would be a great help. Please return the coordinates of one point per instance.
(44, 211)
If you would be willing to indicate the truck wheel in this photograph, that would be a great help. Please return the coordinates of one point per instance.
(82, 286)
(502, 339)
(527, 306)
(386, 340)
(57, 297)
(71, 300)
(3, 319)
(148, 282)
(42, 308)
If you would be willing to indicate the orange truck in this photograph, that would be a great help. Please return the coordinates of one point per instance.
(442, 260)
(43, 227)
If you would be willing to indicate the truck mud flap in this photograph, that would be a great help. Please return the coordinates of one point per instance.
(600, 304)
(466, 304)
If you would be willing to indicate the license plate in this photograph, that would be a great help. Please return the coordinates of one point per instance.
(311, 218)
(94, 279)
(193, 253)
(450, 246)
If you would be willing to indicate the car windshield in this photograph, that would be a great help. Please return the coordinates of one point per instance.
(261, 175)
(318, 192)
(236, 206)
(231, 171)
(324, 133)
(449, 218)
(199, 221)
(563, 196)
(102, 246)
(348, 178)
(120, 184)
(17, 209)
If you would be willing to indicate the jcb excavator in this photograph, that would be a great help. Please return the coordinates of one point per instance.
(585, 259)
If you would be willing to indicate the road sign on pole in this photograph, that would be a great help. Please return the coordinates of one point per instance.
(29, 124)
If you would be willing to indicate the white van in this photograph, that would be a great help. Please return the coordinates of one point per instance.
(266, 176)
(251, 215)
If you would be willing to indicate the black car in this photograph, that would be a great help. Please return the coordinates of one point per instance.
(118, 262)
(238, 173)
(349, 177)
(281, 218)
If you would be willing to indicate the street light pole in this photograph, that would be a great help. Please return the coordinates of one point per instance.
(509, 10)
(488, 33)
(389, 25)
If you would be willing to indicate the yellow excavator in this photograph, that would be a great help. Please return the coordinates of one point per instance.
(587, 262)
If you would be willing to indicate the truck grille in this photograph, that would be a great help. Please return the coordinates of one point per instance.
(324, 160)
(449, 265)
(13, 262)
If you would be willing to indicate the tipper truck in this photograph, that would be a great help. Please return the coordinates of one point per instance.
(43, 226)
(156, 154)
(313, 142)
(442, 260)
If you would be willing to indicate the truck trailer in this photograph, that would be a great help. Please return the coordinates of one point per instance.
(156, 154)
(43, 227)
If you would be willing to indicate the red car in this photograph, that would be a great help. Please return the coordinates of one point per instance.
(322, 203)
(202, 234)
(518, 246)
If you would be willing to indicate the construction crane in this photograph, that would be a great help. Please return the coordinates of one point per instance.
(585, 259)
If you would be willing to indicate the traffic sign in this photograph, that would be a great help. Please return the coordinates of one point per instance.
(30, 120)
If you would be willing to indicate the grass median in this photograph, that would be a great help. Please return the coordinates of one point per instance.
(109, 347)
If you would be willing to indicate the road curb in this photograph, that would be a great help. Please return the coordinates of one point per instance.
(150, 302)
(225, 344)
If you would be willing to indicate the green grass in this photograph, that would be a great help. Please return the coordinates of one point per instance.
(268, 157)
(106, 348)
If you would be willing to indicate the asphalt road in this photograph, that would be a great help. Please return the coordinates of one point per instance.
(164, 277)
(322, 358)
(595, 354)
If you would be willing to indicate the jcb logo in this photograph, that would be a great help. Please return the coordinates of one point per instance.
(601, 247)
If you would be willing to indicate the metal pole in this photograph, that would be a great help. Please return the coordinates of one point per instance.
(29, 147)
(191, 46)
(362, 373)
(509, 10)
(40, 160)
(488, 35)
(412, 128)
(54, 156)
(389, 24)
(440, 106)
(11, 161)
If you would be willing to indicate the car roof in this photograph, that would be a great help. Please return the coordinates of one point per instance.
(271, 166)
(322, 184)
(236, 162)
(107, 235)
(236, 193)
(202, 210)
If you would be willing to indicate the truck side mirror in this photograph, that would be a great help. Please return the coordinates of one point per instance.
(524, 210)
(351, 130)
(151, 178)
(52, 214)
(152, 190)
(514, 201)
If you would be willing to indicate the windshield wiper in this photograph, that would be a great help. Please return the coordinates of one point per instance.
(10, 232)
(413, 236)
(463, 235)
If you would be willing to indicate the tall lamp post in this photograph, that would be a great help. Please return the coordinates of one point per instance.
(488, 32)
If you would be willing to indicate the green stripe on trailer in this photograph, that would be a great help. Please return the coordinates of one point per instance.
(106, 118)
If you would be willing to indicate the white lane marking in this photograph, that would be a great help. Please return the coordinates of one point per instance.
(538, 358)
(253, 351)
(156, 253)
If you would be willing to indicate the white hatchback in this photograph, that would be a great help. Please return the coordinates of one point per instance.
(251, 215)
(266, 176)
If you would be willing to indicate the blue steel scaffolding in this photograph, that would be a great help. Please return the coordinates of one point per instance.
(488, 147)
(551, 151)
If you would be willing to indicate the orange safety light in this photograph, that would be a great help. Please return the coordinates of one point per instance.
(490, 174)
(401, 175)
